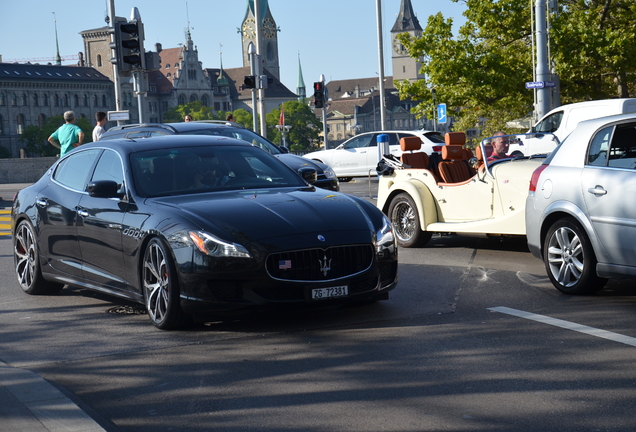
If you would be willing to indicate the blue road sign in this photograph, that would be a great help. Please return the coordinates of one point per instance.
(540, 84)
(441, 113)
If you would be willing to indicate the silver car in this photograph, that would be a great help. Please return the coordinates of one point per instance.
(581, 209)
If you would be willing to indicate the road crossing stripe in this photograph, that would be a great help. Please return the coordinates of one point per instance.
(627, 340)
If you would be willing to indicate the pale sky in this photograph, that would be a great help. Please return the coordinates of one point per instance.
(337, 38)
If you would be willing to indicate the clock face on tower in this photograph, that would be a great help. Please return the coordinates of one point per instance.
(398, 47)
(249, 28)
(269, 28)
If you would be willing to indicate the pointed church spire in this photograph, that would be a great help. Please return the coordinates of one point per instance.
(406, 19)
(300, 87)
(58, 59)
(222, 79)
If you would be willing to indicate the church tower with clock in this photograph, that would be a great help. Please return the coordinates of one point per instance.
(405, 67)
(269, 36)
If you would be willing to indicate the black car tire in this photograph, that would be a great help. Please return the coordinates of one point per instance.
(406, 222)
(570, 260)
(27, 263)
(160, 287)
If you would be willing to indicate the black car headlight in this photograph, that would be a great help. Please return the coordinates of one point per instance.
(384, 238)
(214, 246)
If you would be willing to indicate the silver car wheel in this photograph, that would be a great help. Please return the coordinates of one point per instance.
(565, 256)
(406, 222)
(569, 258)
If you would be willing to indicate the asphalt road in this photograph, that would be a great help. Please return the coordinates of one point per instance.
(474, 338)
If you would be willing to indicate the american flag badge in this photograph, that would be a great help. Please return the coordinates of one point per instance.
(284, 264)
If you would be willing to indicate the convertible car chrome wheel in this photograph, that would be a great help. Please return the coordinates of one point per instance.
(406, 222)
(570, 260)
(161, 292)
(27, 266)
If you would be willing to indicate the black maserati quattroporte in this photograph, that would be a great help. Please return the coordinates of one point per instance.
(193, 226)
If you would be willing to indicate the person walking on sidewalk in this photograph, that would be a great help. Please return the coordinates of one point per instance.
(68, 136)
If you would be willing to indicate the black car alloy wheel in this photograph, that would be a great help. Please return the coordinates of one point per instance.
(161, 290)
(27, 265)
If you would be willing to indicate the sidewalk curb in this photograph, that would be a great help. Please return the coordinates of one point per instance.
(30, 403)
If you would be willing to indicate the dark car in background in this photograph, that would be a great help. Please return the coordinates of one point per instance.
(193, 226)
(326, 176)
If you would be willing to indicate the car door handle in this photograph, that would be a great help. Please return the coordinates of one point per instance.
(597, 190)
(83, 213)
(42, 202)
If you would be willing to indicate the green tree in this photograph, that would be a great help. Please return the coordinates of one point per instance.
(480, 72)
(195, 109)
(305, 127)
(36, 138)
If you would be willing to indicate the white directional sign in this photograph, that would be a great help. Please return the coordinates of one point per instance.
(441, 113)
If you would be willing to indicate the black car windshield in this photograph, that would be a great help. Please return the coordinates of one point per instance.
(189, 170)
(237, 133)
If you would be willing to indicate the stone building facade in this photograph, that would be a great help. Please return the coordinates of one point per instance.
(31, 93)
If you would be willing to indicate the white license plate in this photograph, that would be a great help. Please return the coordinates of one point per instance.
(331, 292)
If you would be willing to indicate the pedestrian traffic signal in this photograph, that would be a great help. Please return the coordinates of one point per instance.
(128, 45)
(249, 81)
(319, 94)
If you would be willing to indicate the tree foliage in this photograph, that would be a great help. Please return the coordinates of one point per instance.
(36, 138)
(480, 72)
(305, 127)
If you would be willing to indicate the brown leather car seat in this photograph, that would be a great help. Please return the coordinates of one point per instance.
(414, 160)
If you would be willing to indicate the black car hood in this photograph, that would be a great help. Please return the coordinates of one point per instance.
(295, 162)
(258, 214)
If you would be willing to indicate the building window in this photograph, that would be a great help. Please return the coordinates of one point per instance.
(182, 100)
(75, 100)
(168, 66)
(2, 100)
(217, 106)
(20, 121)
(193, 98)
(1, 126)
(14, 100)
(99, 60)
(41, 120)
(164, 105)
(104, 101)
(85, 97)
(46, 99)
(66, 100)
(169, 75)
(95, 100)
(56, 100)
(204, 101)
(25, 101)
(36, 100)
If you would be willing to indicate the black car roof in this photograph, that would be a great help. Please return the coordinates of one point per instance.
(125, 145)
(177, 128)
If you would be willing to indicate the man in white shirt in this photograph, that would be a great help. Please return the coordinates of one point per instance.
(100, 116)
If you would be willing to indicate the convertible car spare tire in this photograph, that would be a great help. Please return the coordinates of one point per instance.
(569, 259)
(406, 222)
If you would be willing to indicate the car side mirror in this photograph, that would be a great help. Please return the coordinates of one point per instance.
(104, 189)
(283, 149)
(309, 174)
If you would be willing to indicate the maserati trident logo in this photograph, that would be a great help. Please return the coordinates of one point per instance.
(325, 265)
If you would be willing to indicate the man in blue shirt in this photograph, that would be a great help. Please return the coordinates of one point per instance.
(68, 136)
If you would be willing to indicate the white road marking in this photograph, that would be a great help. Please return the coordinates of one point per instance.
(627, 340)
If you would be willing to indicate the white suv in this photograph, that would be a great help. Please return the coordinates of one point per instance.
(358, 157)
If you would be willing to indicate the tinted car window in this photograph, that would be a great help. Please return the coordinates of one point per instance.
(597, 155)
(73, 171)
(199, 169)
(623, 149)
(109, 168)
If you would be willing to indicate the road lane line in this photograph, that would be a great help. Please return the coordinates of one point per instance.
(627, 340)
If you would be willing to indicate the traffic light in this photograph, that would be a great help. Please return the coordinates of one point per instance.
(319, 94)
(128, 45)
(249, 81)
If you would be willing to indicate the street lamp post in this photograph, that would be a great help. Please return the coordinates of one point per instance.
(284, 129)
(434, 95)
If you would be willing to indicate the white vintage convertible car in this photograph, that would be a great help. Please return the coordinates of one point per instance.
(461, 191)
